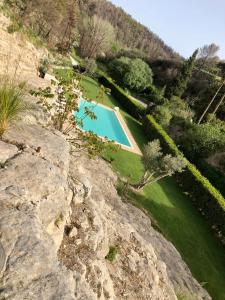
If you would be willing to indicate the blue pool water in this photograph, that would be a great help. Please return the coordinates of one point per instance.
(106, 124)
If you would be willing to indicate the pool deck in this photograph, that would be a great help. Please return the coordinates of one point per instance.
(134, 146)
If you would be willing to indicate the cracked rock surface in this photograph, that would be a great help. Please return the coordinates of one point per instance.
(7, 151)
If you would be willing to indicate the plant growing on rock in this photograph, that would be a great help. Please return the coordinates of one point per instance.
(43, 67)
(157, 165)
(11, 104)
(113, 251)
(94, 145)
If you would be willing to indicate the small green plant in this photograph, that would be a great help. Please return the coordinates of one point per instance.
(181, 296)
(46, 93)
(59, 219)
(113, 251)
(43, 67)
(11, 105)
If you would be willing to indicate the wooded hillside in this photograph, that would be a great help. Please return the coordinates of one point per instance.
(130, 34)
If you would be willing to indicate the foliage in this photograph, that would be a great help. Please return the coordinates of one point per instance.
(134, 73)
(97, 35)
(43, 67)
(215, 176)
(54, 21)
(174, 110)
(165, 70)
(59, 219)
(130, 34)
(163, 115)
(119, 66)
(113, 252)
(208, 55)
(205, 196)
(202, 140)
(154, 95)
(157, 165)
(179, 84)
(12, 104)
(129, 104)
(138, 76)
(90, 66)
(46, 93)
(94, 145)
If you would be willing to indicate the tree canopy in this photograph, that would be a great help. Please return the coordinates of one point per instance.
(135, 73)
(179, 84)
(157, 165)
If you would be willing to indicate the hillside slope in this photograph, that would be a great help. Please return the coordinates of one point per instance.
(131, 34)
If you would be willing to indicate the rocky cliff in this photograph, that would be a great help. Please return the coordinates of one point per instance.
(59, 216)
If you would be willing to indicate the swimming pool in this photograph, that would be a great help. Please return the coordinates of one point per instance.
(106, 125)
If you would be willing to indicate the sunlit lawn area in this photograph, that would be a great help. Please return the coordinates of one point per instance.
(175, 215)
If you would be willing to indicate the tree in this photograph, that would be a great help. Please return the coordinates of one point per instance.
(218, 104)
(175, 109)
(208, 54)
(157, 165)
(162, 115)
(119, 66)
(97, 36)
(210, 103)
(54, 21)
(202, 140)
(138, 75)
(90, 66)
(179, 84)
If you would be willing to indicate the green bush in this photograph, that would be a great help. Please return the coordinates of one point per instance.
(113, 251)
(134, 73)
(127, 102)
(205, 196)
(11, 104)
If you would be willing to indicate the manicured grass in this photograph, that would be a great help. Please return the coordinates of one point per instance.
(173, 211)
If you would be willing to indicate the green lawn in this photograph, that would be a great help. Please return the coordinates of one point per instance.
(175, 215)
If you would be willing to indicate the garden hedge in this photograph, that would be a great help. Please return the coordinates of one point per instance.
(205, 196)
(126, 101)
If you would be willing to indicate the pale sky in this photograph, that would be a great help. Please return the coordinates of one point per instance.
(183, 24)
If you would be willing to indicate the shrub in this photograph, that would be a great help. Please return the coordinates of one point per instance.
(134, 73)
(162, 115)
(155, 95)
(127, 102)
(43, 67)
(202, 140)
(138, 75)
(90, 66)
(119, 66)
(11, 105)
(205, 196)
(113, 251)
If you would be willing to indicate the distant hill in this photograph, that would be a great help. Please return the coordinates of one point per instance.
(132, 35)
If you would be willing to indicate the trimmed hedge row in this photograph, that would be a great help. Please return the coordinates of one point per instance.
(205, 196)
(126, 101)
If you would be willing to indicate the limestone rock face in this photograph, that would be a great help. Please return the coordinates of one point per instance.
(18, 57)
(7, 151)
(34, 206)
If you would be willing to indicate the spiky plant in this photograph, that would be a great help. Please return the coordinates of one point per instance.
(11, 104)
